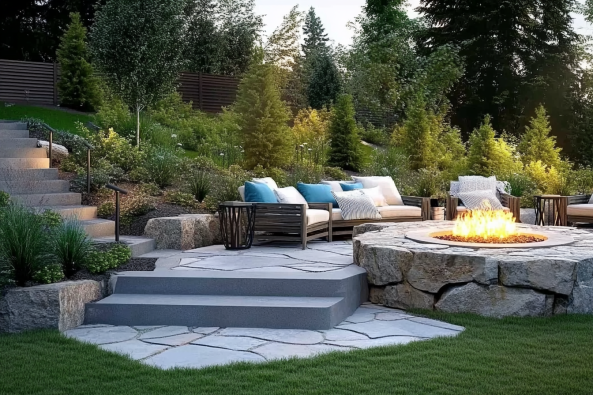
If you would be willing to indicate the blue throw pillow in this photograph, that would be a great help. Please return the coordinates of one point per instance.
(259, 193)
(317, 193)
(350, 187)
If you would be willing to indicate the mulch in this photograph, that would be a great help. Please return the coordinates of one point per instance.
(136, 228)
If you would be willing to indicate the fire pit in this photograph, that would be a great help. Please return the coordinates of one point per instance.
(528, 271)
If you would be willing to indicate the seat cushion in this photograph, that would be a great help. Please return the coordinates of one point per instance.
(259, 193)
(463, 209)
(317, 193)
(387, 186)
(337, 214)
(317, 216)
(400, 212)
(580, 210)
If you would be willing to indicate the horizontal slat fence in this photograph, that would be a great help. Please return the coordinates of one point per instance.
(36, 83)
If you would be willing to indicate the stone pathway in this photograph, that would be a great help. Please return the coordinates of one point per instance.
(179, 346)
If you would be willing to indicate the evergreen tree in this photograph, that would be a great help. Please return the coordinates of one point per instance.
(421, 137)
(203, 37)
(315, 38)
(324, 83)
(537, 144)
(263, 118)
(77, 86)
(345, 143)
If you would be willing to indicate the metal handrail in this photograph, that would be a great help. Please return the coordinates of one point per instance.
(117, 190)
(88, 146)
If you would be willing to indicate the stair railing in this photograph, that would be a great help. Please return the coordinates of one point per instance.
(117, 192)
(89, 147)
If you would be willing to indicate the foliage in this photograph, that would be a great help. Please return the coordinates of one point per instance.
(106, 257)
(226, 187)
(50, 219)
(282, 47)
(135, 205)
(180, 198)
(310, 134)
(345, 143)
(199, 184)
(114, 113)
(73, 141)
(71, 245)
(23, 243)
(324, 83)
(489, 155)
(78, 87)
(48, 274)
(138, 48)
(537, 144)
(420, 135)
(262, 117)
(583, 180)
(202, 38)
(4, 199)
(116, 150)
(57, 118)
(373, 135)
(163, 165)
(315, 38)
(308, 173)
(430, 183)
(335, 173)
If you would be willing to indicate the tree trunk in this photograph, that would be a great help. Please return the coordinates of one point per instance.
(138, 126)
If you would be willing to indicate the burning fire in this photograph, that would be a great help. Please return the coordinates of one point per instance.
(485, 224)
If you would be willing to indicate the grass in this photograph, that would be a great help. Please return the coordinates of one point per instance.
(54, 117)
(509, 356)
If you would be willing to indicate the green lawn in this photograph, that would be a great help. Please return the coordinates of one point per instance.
(510, 356)
(56, 118)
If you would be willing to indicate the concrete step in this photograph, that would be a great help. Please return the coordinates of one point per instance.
(24, 163)
(12, 125)
(22, 152)
(98, 227)
(217, 311)
(18, 143)
(46, 186)
(28, 174)
(48, 199)
(82, 213)
(138, 244)
(13, 133)
(335, 283)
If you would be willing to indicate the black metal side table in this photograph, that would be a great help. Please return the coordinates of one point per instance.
(550, 210)
(237, 220)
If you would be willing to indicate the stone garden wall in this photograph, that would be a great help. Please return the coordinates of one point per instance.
(490, 282)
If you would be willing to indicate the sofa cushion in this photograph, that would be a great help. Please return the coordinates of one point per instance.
(387, 186)
(400, 212)
(335, 185)
(356, 205)
(259, 193)
(242, 192)
(290, 195)
(317, 193)
(351, 186)
(480, 200)
(317, 216)
(337, 214)
(580, 210)
(376, 195)
(269, 181)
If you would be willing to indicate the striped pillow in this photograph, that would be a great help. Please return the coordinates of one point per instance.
(480, 200)
(356, 205)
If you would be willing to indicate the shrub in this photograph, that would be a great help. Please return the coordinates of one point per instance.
(162, 165)
(373, 135)
(583, 180)
(199, 185)
(106, 210)
(278, 175)
(106, 257)
(116, 150)
(71, 246)
(49, 274)
(113, 113)
(23, 243)
(181, 199)
(335, 173)
(307, 173)
(50, 219)
(135, 205)
(537, 144)
(4, 199)
(150, 189)
(345, 142)
(430, 183)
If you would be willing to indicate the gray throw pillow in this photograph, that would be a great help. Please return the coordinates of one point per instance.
(477, 200)
(356, 205)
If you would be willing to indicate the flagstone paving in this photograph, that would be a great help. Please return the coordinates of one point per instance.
(168, 347)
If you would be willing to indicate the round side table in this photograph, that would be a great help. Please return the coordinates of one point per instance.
(237, 220)
(550, 210)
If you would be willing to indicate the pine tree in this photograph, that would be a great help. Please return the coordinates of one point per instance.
(263, 118)
(315, 37)
(345, 142)
(421, 137)
(537, 144)
(324, 83)
(77, 86)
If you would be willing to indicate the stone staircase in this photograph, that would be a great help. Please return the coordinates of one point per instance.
(26, 175)
(212, 298)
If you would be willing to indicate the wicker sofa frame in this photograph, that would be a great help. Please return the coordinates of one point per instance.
(512, 202)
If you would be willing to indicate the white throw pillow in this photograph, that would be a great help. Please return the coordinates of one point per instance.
(269, 181)
(477, 183)
(335, 185)
(476, 200)
(290, 195)
(356, 205)
(376, 195)
(387, 187)
(591, 200)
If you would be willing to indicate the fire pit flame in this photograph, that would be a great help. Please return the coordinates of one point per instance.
(485, 224)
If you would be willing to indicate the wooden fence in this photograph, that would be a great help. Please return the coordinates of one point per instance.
(36, 83)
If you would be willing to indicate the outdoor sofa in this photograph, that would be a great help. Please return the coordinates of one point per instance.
(579, 208)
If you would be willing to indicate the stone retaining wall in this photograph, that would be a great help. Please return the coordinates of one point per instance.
(490, 282)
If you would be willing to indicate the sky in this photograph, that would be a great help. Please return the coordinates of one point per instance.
(335, 15)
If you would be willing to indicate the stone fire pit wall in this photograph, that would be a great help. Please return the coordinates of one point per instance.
(490, 282)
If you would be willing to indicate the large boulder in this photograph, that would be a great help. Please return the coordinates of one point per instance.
(382, 263)
(546, 274)
(56, 306)
(581, 299)
(59, 152)
(495, 301)
(404, 296)
(185, 232)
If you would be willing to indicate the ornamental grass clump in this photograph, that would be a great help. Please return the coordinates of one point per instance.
(71, 246)
(199, 185)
